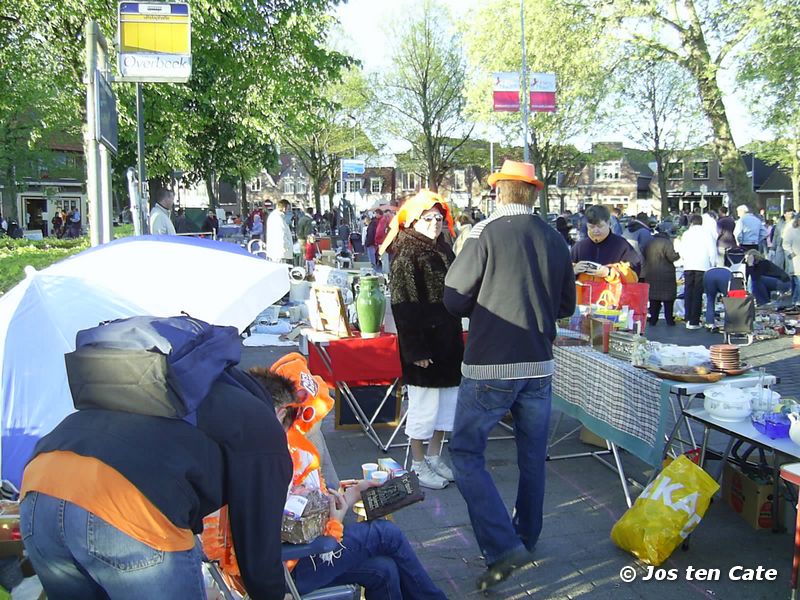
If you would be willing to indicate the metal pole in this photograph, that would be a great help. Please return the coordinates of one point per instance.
(525, 93)
(92, 183)
(106, 216)
(137, 213)
(140, 142)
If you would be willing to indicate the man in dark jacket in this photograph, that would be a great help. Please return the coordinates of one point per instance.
(112, 499)
(513, 279)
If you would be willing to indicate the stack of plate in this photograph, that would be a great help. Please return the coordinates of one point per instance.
(725, 357)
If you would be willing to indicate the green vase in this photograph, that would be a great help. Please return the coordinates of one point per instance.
(370, 306)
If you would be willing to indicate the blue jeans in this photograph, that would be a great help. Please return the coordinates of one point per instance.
(481, 405)
(715, 281)
(796, 289)
(762, 286)
(79, 556)
(378, 557)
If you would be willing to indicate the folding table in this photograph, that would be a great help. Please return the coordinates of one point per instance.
(627, 406)
(353, 362)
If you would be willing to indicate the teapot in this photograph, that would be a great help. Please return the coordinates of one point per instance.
(794, 430)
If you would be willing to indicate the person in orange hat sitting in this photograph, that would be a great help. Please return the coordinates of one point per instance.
(430, 338)
(374, 554)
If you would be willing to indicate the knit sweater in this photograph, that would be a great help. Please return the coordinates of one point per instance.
(513, 279)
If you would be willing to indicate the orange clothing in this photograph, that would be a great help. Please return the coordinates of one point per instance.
(94, 486)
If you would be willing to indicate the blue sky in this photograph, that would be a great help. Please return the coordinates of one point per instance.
(366, 39)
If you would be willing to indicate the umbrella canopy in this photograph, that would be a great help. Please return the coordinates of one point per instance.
(217, 282)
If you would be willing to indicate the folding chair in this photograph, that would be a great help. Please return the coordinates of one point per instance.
(217, 542)
(321, 545)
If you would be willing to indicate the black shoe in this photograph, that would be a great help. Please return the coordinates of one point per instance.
(652, 322)
(671, 323)
(503, 568)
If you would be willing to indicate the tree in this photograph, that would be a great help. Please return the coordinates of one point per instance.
(32, 107)
(773, 68)
(699, 36)
(421, 97)
(254, 63)
(561, 37)
(659, 106)
(327, 130)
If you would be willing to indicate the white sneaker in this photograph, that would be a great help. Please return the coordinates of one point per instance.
(440, 467)
(427, 477)
(690, 326)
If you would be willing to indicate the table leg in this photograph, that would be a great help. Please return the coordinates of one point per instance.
(621, 472)
(362, 418)
(385, 398)
(796, 556)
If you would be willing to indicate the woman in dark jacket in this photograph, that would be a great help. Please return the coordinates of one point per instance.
(430, 339)
(659, 272)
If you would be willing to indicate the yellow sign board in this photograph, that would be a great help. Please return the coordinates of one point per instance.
(155, 41)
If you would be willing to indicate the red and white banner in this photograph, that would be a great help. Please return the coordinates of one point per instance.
(543, 92)
(506, 92)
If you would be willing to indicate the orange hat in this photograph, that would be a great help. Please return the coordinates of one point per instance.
(516, 171)
(411, 211)
(317, 402)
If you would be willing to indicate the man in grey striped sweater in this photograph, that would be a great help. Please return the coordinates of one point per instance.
(513, 279)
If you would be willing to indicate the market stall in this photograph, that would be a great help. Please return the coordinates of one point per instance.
(629, 405)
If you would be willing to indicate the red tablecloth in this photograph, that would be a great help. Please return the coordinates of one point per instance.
(358, 361)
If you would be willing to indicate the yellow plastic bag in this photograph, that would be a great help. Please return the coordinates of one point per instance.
(667, 511)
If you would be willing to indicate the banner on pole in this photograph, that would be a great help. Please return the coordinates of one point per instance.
(543, 92)
(505, 93)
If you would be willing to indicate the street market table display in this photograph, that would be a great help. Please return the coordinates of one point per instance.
(625, 405)
(628, 406)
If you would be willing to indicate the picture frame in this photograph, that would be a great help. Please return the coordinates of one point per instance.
(331, 315)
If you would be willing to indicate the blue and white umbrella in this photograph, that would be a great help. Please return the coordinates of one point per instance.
(217, 282)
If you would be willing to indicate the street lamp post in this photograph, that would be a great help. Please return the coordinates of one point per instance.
(524, 86)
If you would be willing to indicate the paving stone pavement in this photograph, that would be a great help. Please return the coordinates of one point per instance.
(575, 557)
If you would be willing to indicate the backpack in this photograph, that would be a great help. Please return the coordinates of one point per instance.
(156, 366)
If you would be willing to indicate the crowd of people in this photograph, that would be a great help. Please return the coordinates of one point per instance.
(86, 475)
(710, 246)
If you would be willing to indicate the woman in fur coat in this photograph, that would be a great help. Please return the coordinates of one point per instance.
(430, 339)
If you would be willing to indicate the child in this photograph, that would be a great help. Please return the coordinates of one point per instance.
(311, 253)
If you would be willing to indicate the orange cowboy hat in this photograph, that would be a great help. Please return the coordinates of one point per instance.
(411, 211)
(316, 401)
(516, 171)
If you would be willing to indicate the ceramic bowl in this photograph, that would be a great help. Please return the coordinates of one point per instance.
(727, 403)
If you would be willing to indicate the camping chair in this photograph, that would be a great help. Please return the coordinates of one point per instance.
(320, 545)
(218, 544)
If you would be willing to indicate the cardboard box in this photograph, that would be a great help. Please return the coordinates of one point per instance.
(587, 436)
(749, 498)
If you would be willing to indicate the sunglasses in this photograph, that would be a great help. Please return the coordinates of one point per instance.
(432, 218)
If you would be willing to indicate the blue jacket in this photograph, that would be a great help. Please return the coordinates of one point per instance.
(236, 455)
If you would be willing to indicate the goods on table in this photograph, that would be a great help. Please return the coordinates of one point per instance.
(773, 425)
(727, 403)
(725, 357)
(696, 374)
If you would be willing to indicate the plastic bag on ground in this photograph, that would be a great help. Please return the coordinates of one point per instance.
(666, 512)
